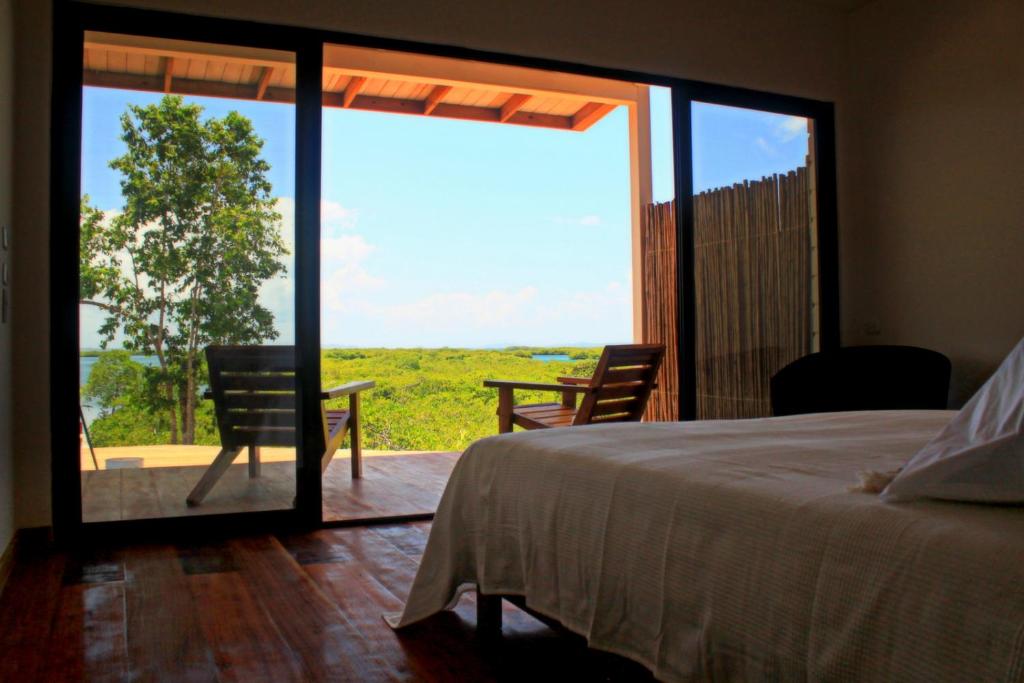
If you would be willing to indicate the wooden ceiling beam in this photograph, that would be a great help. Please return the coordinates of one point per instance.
(261, 85)
(168, 73)
(437, 94)
(188, 86)
(513, 105)
(589, 114)
(182, 86)
(355, 86)
(448, 111)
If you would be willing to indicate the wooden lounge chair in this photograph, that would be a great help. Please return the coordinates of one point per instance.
(617, 392)
(253, 391)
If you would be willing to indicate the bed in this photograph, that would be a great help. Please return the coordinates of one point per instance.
(734, 550)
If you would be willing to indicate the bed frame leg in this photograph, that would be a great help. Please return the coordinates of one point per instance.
(488, 615)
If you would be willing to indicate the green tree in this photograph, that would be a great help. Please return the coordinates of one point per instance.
(115, 382)
(181, 266)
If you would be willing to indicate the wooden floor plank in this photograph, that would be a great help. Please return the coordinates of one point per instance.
(305, 607)
(28, 610)
(165, 639)
(88, 637)
(323, 638)
(245, 640)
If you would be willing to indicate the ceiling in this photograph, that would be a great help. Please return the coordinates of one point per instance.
(845, 5)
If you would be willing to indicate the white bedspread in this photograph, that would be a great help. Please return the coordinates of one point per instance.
(732, 550)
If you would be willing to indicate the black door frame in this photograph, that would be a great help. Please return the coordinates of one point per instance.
(73, 18)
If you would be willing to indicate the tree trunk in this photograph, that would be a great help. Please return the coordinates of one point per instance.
(172, 413)
(185, 407)
(189, 411)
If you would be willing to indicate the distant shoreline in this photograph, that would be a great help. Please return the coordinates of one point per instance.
(540, 349)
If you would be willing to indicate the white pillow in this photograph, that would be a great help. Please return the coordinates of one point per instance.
(979, 455)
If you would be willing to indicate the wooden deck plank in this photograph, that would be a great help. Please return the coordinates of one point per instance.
(101, 495)
(392, 485)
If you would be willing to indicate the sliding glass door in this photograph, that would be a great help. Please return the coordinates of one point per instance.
(755, 268)
(187, 371)
(191, 166)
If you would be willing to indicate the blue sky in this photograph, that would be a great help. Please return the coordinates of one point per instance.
(440, 232)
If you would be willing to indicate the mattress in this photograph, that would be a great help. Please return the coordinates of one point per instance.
(734, 550)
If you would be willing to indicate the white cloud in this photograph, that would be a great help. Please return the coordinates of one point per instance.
(342, 260)
(765, 146)
(791, 127)
(334, 217)
(454, 311)
(496, 316)
(344, 272)
(346, 249)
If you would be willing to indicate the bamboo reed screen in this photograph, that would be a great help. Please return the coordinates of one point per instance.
(752, 245)
(658, 246)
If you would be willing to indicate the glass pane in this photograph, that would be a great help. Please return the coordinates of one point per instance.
(656, 245)
(478, 221)
(755, 254)
(187, 226)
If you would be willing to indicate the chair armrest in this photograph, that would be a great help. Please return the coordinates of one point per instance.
(534, 386)
(581, 381)
(347, 389)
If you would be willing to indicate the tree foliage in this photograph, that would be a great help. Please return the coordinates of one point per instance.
(181, 266)
(115, 382)
(425, 399)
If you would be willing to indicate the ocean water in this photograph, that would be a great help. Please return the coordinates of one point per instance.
(548, 357)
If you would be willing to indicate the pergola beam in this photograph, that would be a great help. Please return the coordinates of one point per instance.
(513, 105)
(437, 93)
(168, 73)
(355, 86)
(183, 86)
(589, 114)
(261, 86)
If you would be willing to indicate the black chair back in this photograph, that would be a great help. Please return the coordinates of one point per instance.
(862, 378)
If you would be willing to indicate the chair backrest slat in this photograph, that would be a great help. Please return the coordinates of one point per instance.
(622, 384)
(254, 389)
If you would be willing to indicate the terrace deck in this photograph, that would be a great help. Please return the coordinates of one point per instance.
(392, 485)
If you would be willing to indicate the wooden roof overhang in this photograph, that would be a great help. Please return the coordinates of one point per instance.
(359, 79)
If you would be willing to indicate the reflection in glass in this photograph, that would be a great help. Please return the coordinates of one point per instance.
(754, 244)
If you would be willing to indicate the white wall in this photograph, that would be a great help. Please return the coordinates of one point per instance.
(932, 180)
(6, 196)
(784, 46)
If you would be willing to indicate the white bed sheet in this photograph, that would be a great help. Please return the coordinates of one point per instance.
(733, 550)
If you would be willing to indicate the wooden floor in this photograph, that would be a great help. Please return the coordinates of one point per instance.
(391, 485)
(264, 608)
